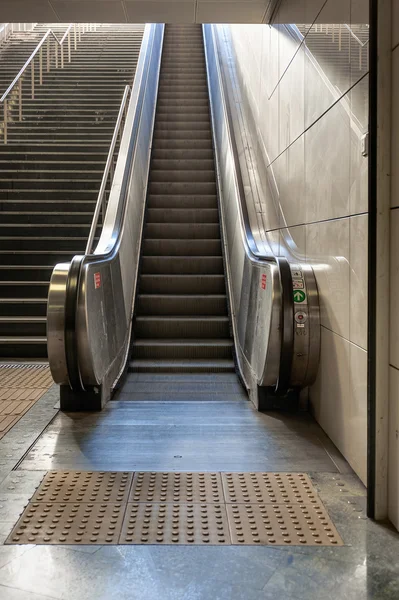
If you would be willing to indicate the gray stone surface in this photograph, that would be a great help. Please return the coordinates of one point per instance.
(211, 436)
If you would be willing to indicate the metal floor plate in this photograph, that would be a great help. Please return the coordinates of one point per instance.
(90, 507)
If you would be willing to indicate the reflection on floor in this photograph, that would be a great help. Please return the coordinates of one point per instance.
(194, 436)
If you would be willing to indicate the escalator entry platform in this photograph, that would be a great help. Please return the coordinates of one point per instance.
(175, 508)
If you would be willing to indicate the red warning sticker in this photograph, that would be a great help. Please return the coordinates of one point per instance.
(263, 281)
(97, 280)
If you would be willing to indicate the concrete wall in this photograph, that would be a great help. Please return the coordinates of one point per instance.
(393, 453)
(305, 137)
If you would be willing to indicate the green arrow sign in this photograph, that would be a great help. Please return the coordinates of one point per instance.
(299, 296)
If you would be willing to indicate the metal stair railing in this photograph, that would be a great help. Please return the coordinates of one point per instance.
(9, 28)
(77, 30)
(336, 31)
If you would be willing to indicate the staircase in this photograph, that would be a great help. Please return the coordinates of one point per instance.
(181, 323)
(51, 168)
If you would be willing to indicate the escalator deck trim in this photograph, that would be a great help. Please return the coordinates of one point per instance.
(172, 508)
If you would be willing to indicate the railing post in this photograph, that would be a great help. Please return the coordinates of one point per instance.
(56, 54)
(333, 32)
(74, 37)
(360, 58)
(41, 66)
(79, 33)
(5, 120)
(340, 37)
(33, 78)
(62, 55)
(69, 46)
(48, 54)
(20, 99)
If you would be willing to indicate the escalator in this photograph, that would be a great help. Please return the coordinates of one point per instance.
(177, 282)
(181, 321)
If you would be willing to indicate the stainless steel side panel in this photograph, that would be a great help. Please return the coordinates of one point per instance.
(253, 272)
(253, 281)
(108, 278)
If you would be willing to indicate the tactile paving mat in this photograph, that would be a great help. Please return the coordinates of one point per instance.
(100, 507)
(176, 524)
(20, 387)
(84, 486)
(278, 488)
(62, 523)
(281, 525)
(177, 487)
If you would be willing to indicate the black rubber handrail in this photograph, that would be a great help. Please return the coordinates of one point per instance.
(71, 304)
(287, 327)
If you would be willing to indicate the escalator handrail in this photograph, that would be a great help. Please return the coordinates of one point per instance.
(111, 243)
(243, 209)
(101, 194)
(284, 270)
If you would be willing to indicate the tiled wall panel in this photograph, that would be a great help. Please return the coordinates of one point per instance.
(306, 125)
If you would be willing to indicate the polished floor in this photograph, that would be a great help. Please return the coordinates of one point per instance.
(190, 435)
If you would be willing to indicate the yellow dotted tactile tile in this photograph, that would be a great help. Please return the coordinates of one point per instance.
(20, 387)
(176, 524)
(295, 524)
(177, 487)
(103, 507)
(84, 486)
(62, 523)
(273, 488)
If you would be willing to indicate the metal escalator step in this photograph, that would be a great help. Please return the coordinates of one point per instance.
(182, 349)
(181, 327)
(183, 215)
(180, 265)
(182, 304)
(184, 164)
(182, 144)
(165, 247)
(182, 187)
(182, 284)
(198, 201)
(196, 154)
(184, 134)
(182, 366)
(168, 124)
(180, 231)
(181, 175)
